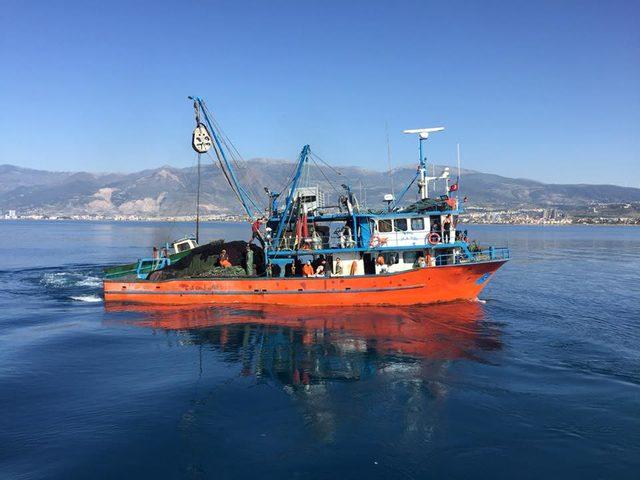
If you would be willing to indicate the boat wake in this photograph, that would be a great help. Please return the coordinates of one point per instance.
(70, 279)
(76, 283)
(82, 285)
(87, 298)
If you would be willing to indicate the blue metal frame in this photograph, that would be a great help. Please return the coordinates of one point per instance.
(157, 264)
(302, 159)
(330, 251)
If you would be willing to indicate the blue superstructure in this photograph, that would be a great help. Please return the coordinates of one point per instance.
(301, 227)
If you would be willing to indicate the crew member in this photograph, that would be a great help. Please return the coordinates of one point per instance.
(249, 260)
(267, 236)
(343, 239)
(316, 240)
(255, 231)
(346, 238)
(430, 261)
(307, 270)
(381, 266)
(154, 253)
(338, 267)
(297, 267)
(446, 234)
(224, 259)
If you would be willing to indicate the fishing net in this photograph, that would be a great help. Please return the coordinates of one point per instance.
(203, 262)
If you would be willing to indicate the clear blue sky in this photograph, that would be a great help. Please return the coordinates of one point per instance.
(548, 90)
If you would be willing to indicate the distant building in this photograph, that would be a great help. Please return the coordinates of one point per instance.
(10, 215)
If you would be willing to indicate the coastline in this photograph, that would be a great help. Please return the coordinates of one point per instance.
(239, 219)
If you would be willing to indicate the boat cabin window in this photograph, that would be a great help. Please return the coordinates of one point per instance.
(384, 226)
(410, 257)
(181, 247)
(417, 224)
(400, 224)
(391, 258)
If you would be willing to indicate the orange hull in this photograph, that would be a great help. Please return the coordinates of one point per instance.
(413, 287)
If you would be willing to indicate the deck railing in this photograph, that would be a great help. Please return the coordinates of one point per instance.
(488, 254)
(148, 265)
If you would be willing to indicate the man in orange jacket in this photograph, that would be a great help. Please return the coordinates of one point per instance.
(307, 270)
(224, 259)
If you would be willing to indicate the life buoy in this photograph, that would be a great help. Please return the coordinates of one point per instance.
(378, 241)
(433, 238)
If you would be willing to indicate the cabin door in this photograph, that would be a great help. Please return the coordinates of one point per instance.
(365, 234)
(369, 264)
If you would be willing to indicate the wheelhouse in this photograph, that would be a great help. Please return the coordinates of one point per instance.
(407, 230)
(184, 244)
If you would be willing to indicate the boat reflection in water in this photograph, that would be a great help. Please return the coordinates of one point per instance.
(394, 364)
(307, 346)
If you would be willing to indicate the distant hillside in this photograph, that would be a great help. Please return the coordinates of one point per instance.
(168, 191)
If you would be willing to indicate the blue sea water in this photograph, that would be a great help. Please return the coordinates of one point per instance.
(540, 381)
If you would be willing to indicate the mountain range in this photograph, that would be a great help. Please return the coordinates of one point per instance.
(170, 191)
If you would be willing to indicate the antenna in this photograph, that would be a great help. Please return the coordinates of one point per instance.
(423, 134)
(386, 128)
(458, 181)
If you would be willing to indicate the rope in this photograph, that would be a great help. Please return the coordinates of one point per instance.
(289, 179)
(230, 148)
(326, 178)
(235, 158)
(225, 173)
(350, 180)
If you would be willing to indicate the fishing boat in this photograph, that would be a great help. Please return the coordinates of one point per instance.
(314, 253)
